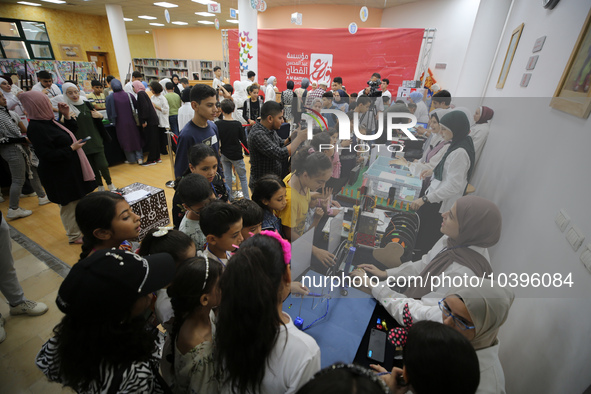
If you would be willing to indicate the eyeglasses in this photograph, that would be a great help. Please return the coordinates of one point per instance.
(458, 320)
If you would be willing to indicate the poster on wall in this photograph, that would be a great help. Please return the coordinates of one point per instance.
(34, 66)
(393, 53)
(71, 51)
(12, 66)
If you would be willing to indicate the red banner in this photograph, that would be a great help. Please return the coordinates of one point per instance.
(322, 54)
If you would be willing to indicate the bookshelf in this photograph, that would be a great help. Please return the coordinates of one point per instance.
(164, 68)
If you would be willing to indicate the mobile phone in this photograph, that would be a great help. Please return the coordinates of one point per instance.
(85, 139)
(303, 124)
(377, 345)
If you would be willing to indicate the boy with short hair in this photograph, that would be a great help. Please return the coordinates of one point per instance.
(327, 103)
(108, 89)
(174, 103)
(217, 81)
(186, 113)
(135, 76)
(232, 137)
(196, 193)
(97, 95)
(200, 130)
(47, 87)
(184, 83)
(252, 217)
(251, 110)
(222, 225)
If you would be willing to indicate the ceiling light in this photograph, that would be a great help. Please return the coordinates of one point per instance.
(157, 24)
(27, 3)
(54, 1)
(179, 23)
(232, 20)
(147, 31)
(127, 19)
(165, 4)
(206, 22)
(147, 17)
(204, 2)
(204, 14)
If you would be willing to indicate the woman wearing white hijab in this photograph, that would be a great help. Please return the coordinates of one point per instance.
(11, 92)
(90, 124)
(270, 89)
(240, 96)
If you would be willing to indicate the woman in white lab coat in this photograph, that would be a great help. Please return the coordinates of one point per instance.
(449, 179)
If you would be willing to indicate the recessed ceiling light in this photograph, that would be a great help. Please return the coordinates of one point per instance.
(206, 22)
(157, 24)
(55, 1)
(27, 3)
(204, 2)
(147, 17)
(204, 14)
(179, 23)
(127, 19)
(147, 31)
(232, 20)
(165, 4)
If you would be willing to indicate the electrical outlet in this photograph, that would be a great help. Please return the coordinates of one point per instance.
(562, 220)
(575, 237)
(586, 257)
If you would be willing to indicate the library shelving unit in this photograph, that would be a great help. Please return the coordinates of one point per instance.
(164, 68)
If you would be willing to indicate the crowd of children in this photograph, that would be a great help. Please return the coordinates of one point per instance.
(227, 258)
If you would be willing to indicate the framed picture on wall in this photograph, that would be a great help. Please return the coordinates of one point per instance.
(71, 52)
(515, 36)
(573, 94)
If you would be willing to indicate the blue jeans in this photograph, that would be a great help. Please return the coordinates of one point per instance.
(173, 120)
(240, 169)
(134, 156)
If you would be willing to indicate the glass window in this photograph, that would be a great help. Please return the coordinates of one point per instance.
(15, 50)
(8, 29)
(41, 51)
(35, 31)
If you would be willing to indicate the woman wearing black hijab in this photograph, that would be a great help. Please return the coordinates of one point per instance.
(175, 82)
(449, 180)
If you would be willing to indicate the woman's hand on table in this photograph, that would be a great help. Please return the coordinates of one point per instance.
(299, 289)
(391, 379)
(373, 270)
(325, 257)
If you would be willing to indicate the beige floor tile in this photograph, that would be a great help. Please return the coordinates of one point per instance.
(22, 328)
(44, 386)
(41, 284)
(17, 368)
(28, 265)
(18, 253)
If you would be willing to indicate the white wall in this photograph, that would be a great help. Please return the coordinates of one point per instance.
(536, 161)
(484, 41)
(453, 19)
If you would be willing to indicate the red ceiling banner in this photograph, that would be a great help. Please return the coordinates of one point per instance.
(322, 54)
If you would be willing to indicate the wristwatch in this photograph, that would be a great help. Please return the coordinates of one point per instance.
(426, 200)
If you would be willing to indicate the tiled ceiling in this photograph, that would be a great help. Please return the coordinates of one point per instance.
(185, 12)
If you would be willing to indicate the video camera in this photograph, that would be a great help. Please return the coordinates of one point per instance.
(374, 88)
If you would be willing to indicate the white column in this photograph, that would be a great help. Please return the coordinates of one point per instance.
(247, 28)
(119, 37)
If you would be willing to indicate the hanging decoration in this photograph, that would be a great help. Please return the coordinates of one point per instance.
(167, 16)
(363, 14)
(353, 28)
(217, 24)
(244, 43)
(296, 18)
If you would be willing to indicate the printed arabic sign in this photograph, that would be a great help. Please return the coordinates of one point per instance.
(215, 8)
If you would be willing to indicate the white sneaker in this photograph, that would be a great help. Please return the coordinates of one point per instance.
(44, 200)
(29, 195)
(30, 308)
(2, 198)
(18, 213)
(101, 188)
(140, 162)
(2, 331)
(112, 187)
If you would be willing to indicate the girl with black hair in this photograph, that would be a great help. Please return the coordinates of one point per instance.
(311, 172)
(269, 193)
(266, 353)
(286, 100)
(106, 221)
(202, 161)
(181, 247)
(187, 360)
